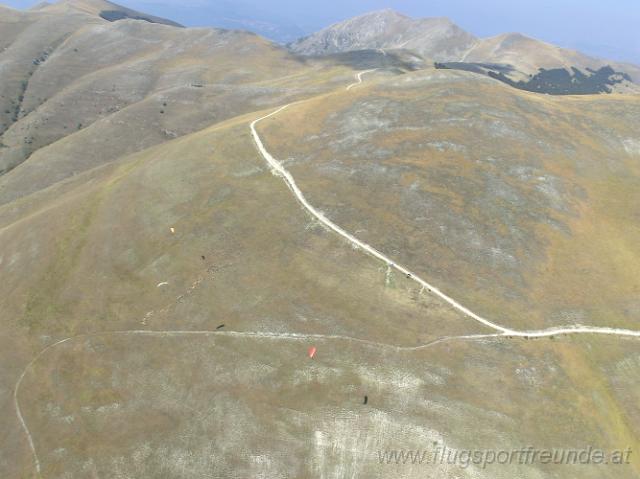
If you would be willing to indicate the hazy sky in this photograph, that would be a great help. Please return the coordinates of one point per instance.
(604, 28)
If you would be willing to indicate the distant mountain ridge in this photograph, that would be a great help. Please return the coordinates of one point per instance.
(107, 10)
(440, 40)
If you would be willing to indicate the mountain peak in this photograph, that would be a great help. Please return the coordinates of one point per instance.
(388, 29)
(382, 13)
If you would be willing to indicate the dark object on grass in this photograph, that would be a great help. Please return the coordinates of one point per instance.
(366, 400)
(203, 258)
(220, 327)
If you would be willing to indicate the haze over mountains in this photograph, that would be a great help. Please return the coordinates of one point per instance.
(161, 284)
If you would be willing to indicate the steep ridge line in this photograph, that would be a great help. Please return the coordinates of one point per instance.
(279, 170)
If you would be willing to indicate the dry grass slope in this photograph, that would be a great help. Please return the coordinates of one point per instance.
(519, 203)
(521, 206)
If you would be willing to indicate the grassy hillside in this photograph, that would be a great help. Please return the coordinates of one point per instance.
(160, 288)
(267, 268)
(88, 257)
(107, 76)
(520, 204)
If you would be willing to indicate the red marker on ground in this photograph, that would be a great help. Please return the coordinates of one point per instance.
(312, 351)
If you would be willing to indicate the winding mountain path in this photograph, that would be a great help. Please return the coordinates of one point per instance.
(279, 170)
(359, 78)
